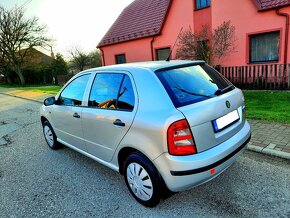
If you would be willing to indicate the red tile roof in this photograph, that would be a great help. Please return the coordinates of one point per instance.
(271, 4)
(142, 18)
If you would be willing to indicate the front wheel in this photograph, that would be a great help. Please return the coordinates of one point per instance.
(50, 136)
(142, 180)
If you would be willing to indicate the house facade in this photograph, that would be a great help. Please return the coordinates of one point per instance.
(146, 30)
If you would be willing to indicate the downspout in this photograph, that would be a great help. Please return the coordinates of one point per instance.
(152, 50)
(286, 34)
(286, 42)
(103, 56)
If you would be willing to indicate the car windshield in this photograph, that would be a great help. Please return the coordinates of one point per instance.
(188, 85)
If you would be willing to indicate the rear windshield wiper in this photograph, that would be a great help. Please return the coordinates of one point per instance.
(192, 93)
(222, 91)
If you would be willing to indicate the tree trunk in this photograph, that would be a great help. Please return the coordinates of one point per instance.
(8, 79)
(20, 75)
(44, 79)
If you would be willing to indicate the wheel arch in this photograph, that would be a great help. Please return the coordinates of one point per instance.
(123, 154)
(43, 119)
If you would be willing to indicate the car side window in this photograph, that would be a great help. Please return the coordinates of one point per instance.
(105, 90)
(73, 94)
(112, 91)
(126, 100)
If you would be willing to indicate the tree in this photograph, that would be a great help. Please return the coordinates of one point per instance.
(95, 58)
(207, 45)
(223, 40)
(80, 60)
(186, 46)
(4, 68)
(58, 67)
(18, 35)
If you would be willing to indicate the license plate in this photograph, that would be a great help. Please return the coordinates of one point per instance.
(225, 121)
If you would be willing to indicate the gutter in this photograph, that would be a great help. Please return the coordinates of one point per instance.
(286, 43)
(103, 56)
(151, 46)
(286, 33)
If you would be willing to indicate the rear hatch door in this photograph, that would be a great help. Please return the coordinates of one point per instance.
(212, 121)
(211, 104)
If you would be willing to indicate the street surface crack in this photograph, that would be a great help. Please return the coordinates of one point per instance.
(2, 123)
(7, 141)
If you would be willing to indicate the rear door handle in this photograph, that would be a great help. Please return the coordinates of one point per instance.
(118, 122)
(76, 115)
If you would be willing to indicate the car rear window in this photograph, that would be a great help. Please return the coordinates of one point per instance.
(191, 84)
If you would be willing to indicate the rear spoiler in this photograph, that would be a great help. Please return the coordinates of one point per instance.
(180, 66)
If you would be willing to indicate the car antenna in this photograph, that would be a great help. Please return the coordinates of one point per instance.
(168, 59)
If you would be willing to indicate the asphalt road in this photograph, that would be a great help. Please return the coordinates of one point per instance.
(38, 182)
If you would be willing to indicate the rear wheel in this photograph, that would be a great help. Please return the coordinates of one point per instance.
(142, 180)
(50, 136)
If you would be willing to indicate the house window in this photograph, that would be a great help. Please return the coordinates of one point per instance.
(120, 59)
(264, 47)
(200, 4)
(162, 54)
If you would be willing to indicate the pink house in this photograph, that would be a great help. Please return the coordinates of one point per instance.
(146, 30)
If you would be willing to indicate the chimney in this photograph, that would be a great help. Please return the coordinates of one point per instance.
(52, 55)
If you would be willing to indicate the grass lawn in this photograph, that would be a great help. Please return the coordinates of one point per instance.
(273, 106)
(36, 88)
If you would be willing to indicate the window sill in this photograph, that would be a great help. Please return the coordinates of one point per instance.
(263, 62)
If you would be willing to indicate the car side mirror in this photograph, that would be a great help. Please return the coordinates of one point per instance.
(49, 101)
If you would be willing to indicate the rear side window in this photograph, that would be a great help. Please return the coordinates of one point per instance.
(188, 85)
(112, 91)
(126, 99)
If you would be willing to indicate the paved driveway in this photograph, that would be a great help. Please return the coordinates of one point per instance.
(38, 182)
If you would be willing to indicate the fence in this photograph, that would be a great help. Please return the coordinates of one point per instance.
(272, 76)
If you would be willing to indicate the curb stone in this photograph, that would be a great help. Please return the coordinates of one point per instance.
(28, 99)
(268, 151)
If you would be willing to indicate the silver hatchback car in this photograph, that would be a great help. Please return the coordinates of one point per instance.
(165, 126)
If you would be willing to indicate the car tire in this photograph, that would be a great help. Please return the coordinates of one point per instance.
(50, 136)
(143, 180)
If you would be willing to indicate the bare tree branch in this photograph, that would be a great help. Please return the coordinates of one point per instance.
(224, 40)
(17, 36)
(207, 45)
(79, 58)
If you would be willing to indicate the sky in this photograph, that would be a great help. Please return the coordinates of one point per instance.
(70, 23)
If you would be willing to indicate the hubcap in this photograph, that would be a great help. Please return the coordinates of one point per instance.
(139, 181)
(48, 136)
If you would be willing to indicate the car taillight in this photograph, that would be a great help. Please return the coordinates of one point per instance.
(180, 140)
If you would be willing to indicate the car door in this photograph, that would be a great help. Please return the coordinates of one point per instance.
(67, 112)
(110, 113)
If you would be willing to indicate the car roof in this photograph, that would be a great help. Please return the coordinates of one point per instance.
(152, 65)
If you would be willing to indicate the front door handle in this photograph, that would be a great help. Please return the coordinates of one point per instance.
(118, 122)
(76, 115)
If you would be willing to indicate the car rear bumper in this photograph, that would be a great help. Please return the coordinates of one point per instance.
(183, 172)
